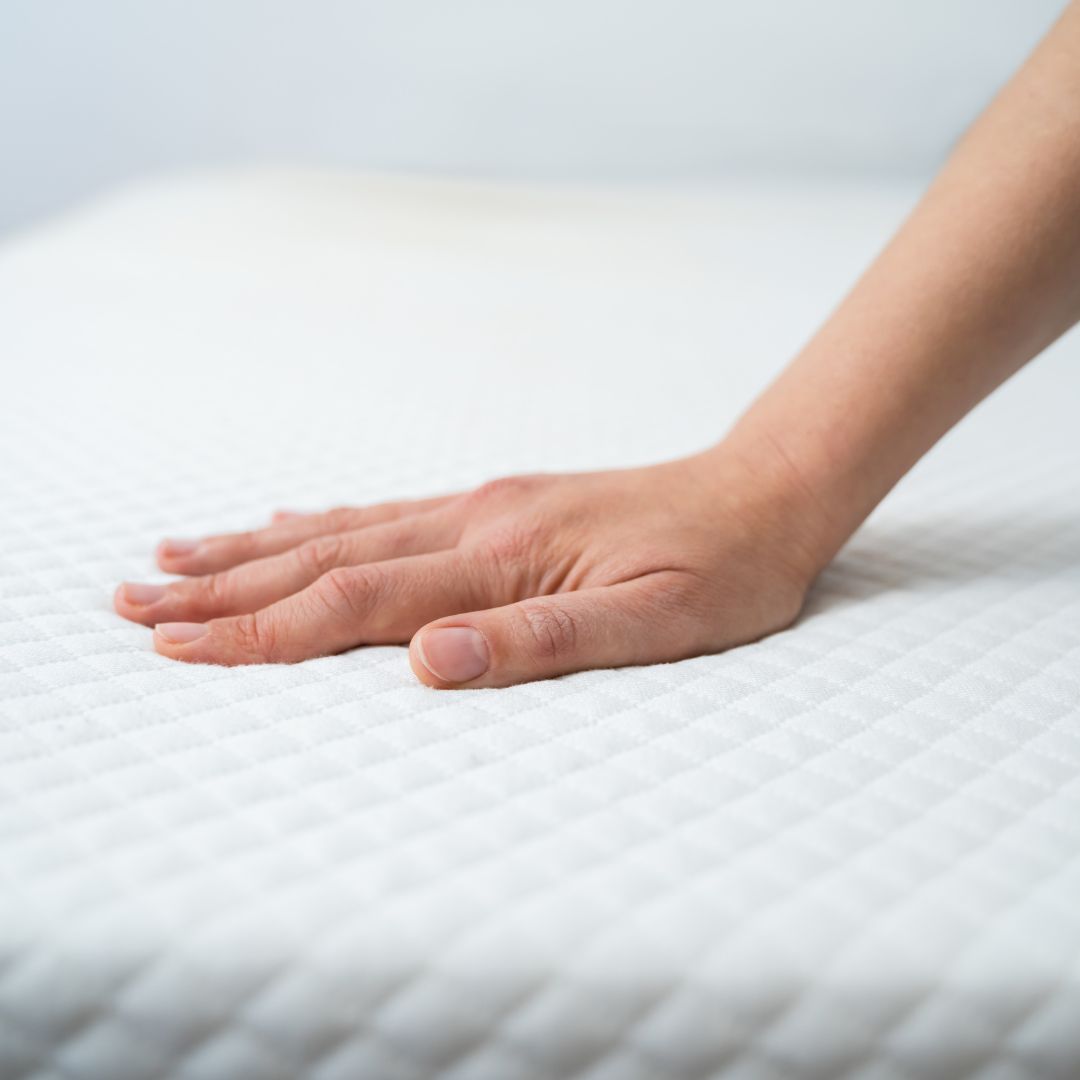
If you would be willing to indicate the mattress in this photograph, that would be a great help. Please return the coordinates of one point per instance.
(851, 849)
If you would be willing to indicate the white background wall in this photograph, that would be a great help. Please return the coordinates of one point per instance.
(96, 92)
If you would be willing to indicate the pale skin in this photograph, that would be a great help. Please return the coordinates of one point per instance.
(532, 577)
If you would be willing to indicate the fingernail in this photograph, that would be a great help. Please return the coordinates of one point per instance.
(454, 653)
(178, 548)
(286, 515)
(137, 593)
(181, 633)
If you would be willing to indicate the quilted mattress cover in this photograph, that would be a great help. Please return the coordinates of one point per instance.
(852, 849)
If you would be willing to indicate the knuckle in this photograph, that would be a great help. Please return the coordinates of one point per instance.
(348, 593)
(504, 488)
(253, 634)
(339, 517)
(319, 555)
(245, 544)
(513, 542)
(547, 630)
(216, 589)
(399, 534)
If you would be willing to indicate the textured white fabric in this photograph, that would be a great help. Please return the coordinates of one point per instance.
(852, 849)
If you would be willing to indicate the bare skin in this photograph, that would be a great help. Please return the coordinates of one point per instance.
(531, 577)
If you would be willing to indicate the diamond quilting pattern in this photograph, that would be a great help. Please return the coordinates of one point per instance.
(852, 849)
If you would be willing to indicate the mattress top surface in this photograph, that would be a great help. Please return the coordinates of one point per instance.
(843, 845)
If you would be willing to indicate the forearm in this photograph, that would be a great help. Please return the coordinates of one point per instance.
(981, 278)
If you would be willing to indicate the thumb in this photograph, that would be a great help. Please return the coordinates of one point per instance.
(642, 621)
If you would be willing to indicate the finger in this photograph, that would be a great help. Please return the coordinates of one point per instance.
(642, 621)
(213, 553)
(378, 603)
(261, 582)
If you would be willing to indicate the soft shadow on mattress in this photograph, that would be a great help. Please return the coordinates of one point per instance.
(942, 553)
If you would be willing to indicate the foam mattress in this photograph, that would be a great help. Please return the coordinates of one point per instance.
(852, 849)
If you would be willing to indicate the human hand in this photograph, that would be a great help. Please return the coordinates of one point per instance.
(524, 578)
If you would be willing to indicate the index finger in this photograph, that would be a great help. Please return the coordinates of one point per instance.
(381, 603)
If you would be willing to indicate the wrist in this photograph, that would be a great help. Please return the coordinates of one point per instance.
(765, 483)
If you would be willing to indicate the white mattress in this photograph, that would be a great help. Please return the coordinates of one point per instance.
(852, 849)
